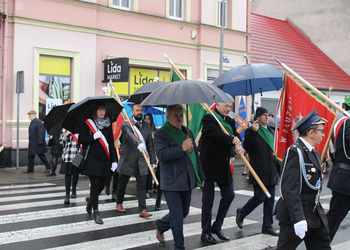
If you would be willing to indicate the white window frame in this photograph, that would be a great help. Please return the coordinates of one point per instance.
(120, 6)
(172, 16)
(219, 12)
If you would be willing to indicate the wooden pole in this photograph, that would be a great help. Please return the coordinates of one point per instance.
(207, 108)
(319, 93)
(116, 97)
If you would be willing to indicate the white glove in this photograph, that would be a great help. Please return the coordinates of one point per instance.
(141, 147)
(97, 135)
(153, 166)
(114, 166)
(300, 228)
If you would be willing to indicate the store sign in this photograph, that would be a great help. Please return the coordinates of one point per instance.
(116, 69)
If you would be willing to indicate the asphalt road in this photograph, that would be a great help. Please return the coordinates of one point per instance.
(33, 216)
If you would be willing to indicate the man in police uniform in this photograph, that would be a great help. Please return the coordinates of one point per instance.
(300, 215)
(339, 180)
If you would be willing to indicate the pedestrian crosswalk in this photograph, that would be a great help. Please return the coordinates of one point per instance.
(33, 216)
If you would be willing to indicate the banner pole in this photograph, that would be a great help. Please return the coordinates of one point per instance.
(206, 107)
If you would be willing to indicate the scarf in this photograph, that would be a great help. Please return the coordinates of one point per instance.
(223, 122)
(178, 136)
(102, 123)
(266, 135)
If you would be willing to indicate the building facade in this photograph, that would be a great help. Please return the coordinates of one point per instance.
(61, 45)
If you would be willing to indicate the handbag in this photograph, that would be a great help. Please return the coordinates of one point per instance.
(80, 159)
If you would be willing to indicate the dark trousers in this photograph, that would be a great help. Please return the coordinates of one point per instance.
(227, 196)
(31, 162)
(115, 176)
(315, 238)
(258, 198)
(54, 162)
(68, 183)
(179, 206)
(97, 184)
(141, 189)
(338, 209)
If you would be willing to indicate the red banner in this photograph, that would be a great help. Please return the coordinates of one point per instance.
(117, 128)
(296, 103)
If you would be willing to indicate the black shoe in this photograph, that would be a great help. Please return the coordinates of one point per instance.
(157, 207)
(220, 234)
(97, 217)
(74, 195)
(114, 196)
(239, 218)
(51, 174)
(66, 201)
(208, 238)
(107, 191)
(88, 205)
(270, 231)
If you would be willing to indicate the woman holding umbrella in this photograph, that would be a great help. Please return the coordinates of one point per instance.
(101, 155)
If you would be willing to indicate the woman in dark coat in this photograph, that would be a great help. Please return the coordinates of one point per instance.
(97, 132)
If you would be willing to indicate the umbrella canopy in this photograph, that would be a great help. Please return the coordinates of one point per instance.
(186, 92)
(250, 79)
(139, 95)
(81, 111)
(54, 119)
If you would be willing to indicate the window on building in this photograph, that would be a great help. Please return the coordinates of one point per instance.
(122, 4)
(176, 9)
(222, 8)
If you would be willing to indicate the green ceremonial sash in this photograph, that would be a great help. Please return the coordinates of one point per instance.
(224, 123)
(267, 136)
(178, 136)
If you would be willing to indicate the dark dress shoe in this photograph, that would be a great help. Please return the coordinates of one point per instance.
(73, 196)
(239, 218)
(97, 217)
(269, 231)
(220, 234)
(208, 238)
(107, 191)
(88, 205)
(51, 174)
(66, 201)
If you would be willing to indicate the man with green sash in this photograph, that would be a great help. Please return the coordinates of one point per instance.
(180, 172)
(216, 150)
(259, 143)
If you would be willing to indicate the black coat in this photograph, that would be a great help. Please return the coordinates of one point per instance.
(339, 180)
(261, 158)
(294, 206)
(97, 162)
(176, 171)
(37, 143)
(216, 149)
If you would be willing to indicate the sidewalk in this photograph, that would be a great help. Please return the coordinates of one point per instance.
(13, 175)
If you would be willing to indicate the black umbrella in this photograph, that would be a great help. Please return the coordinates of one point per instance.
(81, 111)
(54, 119)
(186, 92)
(139, 95)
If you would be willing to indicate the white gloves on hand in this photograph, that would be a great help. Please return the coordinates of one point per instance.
(97, 135)
(141, 147)
(114, 166)
(300, 228)
(153, 166)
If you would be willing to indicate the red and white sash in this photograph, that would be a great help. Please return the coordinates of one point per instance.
(102, 139)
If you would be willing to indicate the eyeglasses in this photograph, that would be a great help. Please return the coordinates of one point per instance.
(320, 129)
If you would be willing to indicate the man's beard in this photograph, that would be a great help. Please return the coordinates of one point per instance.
(138, 117)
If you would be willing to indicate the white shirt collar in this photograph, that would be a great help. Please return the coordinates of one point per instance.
(308, 145)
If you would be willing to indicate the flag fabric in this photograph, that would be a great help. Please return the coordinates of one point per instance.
(296, 102)
(242, 119)
(117, 129)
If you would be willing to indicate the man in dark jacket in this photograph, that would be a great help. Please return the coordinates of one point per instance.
(181, 172)
(300, 214)
(216, 150)
(259, 143)
(339, 180)
(37, 143)
(132, 162)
